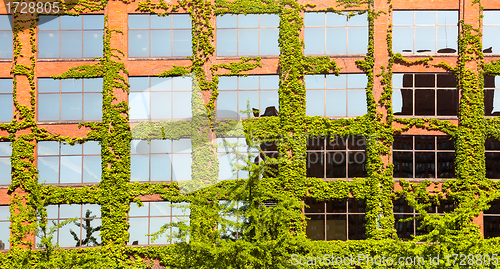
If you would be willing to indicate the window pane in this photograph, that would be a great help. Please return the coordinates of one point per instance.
(181, 164)
(425, 17)
(402, 17)
(333, 19)
(158, 22)
(403, 164)
(226, 107)
(138, 21)
(5, 171)
(91, 169)
(356, 102)
(48, 85)
(492, 165)
(138, 230)
(358, 20)
(447, 102)
(139, 211)
(139, 105)
(446, 165)
(160, 105)
(491, 39)
(335, 103)
(425, 39)
(402, 39)
(424, 102)
(315, 227)
(182, 105)
(48, 107)
(160, 167)
(269, 42)
(6, 44)
(269, 20)
(314, 39)
(48, 170)
(71, 22)
(249, 20)
(424, 165)
(181, 43)
(71, 44)
(252, 97)
(248, 42)
(181, 21)
(139, 168)
(161, 43)
(447, 17)
(71, 107)
(227, 42)
(336, 164)
(358, 39)
(268, 99)
(93, 22)
(447, 39)
(71, 169)
(92, 43)
(48, 148)
(315, 164)
(48, 44)
(6, 107)
(315, 103)
(336, 227)
(48, 22)
(92, 106)
(138, 43)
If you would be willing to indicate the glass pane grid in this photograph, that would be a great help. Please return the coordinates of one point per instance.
(69, 99)
(327, 33)
(423, 157)
(60, 163)
(336, 219)
(425, 94)
(151, 217)
(154, 98)
(161, 160)
(70, 37)
(340, 157)
(261, 91)
(245, 35)
(491, 27)
(491, 95)
(226, 152)
(151, 35)
(336, 96)
(425, 31)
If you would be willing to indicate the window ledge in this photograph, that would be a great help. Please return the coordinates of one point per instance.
(238, 57)
(5, 60)
(65, 122)
(427, 117)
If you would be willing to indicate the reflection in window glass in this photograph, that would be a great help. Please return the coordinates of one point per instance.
(69, 99)
(226, 153)
(491, 27)
(62, 163)
(6, 102)
(251, 34)
(235, 92)
(425, 31)
(154, 98)
(151, 217)
(161, 160)
(4, 227)
(84, 231)
(155, 36)
(491, 96)
(425, 95)
(336, 96)
(5, 168)
(330, 33)
(492, 155)
(6, 37)
(423, 156)
(336, 220)
(70, 37)
(336, 157)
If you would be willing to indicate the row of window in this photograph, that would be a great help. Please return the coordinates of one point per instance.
(421, 156)
(154, 98)
(325, 33)
(331, 220)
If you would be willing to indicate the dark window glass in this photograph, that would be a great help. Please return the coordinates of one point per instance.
(425, 95)
(423, 157)
(345, 219)
(491, 96)
(492, 155)
(336, 157)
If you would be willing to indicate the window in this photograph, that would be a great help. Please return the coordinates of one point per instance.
(70, 37)
(5, 168)
(6, 103)
(423, 156)
(425, 31)
(492, 155)
(252, 34)
(6, 36)
(227, 156)
(235, 92)
(425, 95)
(160, 98)
(151, 217)
(410, 228)
(336, 96)
(84, 231)
(69, 99)
(4, 227)
(330, 33)
(161, 160)
(491, 96)
(63, 163)
(338, 157)
(155, 36)
(336, 220)
(491, 220)
(491, 27)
